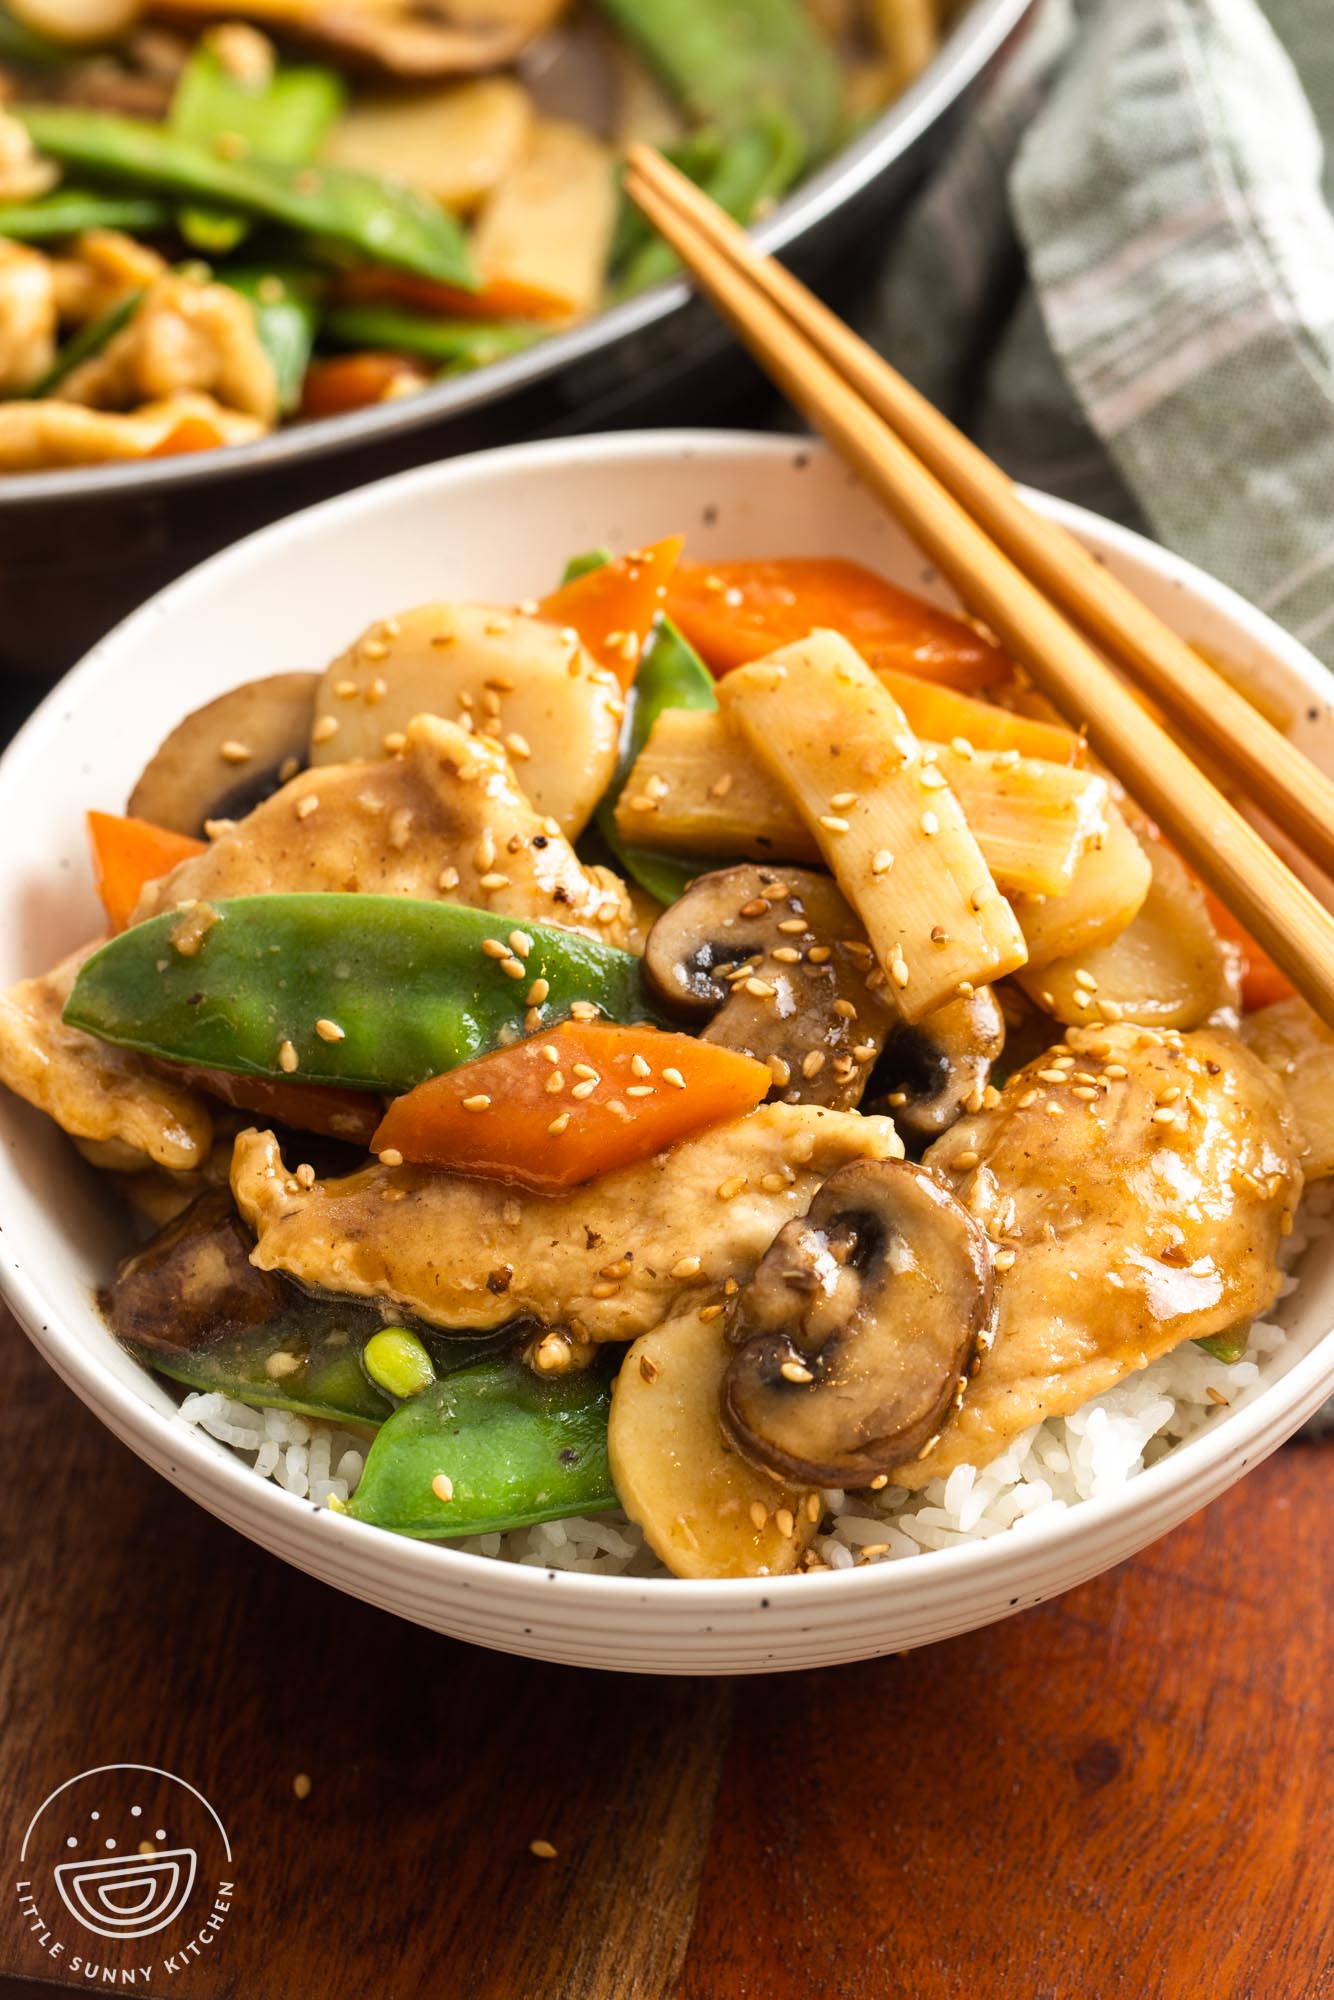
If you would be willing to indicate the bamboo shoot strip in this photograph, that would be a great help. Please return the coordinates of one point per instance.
(698, 789)
(887, 824)
(385, 220)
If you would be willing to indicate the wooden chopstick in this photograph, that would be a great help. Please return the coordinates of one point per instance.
(1294, 791)
(1212, 835)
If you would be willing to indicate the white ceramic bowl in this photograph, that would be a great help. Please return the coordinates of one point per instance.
(502, 524)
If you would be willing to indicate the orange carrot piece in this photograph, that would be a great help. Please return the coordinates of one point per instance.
(501, 298)
(307, 1107)
(1261, 981)
(514, 1115)
(739, 611)
(127, 853)
(190, 434)
(356, 381)
(941, 713)
(613, 607)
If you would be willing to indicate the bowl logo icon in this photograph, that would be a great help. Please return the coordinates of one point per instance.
(128, 1895)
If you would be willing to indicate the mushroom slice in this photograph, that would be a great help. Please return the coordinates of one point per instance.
(937, 1068)
(701, 1507)
(223, 759)
(855, 1336)
(191, 1281)
(778, 959)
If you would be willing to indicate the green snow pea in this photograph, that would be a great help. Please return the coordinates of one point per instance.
(68, 210)
(697, 154)
(722, 63)
(385, 220)
(454, 343)
(670, 675)
(88, 341)
(1229, 1346)
(407, 981)
(754, 168)
(512, 1447)
(282, 116)
(286, 304)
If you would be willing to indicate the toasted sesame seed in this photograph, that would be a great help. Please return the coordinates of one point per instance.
(1165, 1117)
(513, 968)
(845, 1010)
(395, 743)
(448, 879)
(793, 926)
(864, 1051)
(288, 1058)
(784, 1522)
(729, 1190)
(966, 1160)
(707, 1313)
(559, 1124)
(232, 752)
(606, 1288)
(639, 1065)
(898, 971)
(478, 1102)
(329, 1031)
(493, 948)
(687, 1267)
(520, 943)
(786, 954)
(795, 1371)
(842, 799)
(881, 861)
(773, 1183)
(760, 989)
(542, 1849)
(583, 1010)
(1003, 1260)
(492, 881)
(308, 805)
(759, 1513)
(305, 1176)
(675, 1078)
(832, 823)
(721, 786)
(1117, 1071)
(1170, 1095)
(585, 1089)
(639, 1090)
(812, 1062)
(1088, 1092)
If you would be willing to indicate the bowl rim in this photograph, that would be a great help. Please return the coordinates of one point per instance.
(970, 45)
(1249, 1433)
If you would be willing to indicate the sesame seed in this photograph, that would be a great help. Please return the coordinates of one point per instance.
(721, 786)
(538, 992)
(493, 948)
(1088, 1092)
(784, 1522)
(559, 1124)
(845, 1010)
(639, 1090)
(1053, 1109)
(707, 1313)
(729, 1190)
(1170, 1095)
(605, 1289)
(395, 743)
(377, 690)
(583, 1010)
(479, 1102)
(898, 971)
(832, 823)
(773, 1183)
(448, 879)
(1165, 1117)
(1051, 1075)
(375, 649)
(812, 1063)
(967, 1159)
(493, 881)
(864, 1051)
(675, 1078)
(288, 1058)
(513, 968)
(842, 799)
(639, 1065)
(301, 1785)
(793, 926)
(881, 861)
(795, 1371)
(215, 828)
(1086, 980)
(1003, 1260)
(961, 746)
(305, 1176)
(308, 805)
(329, 1031)
(542, 1849)
(760, 989)
(1117, 1071)
(585, 1089)
(233, 752)
(930, 824)
(520, 943)
(390, 1157)
(1029, 1097)
(1006, 760)
(687, 1267)
(759, 1514)
(932, 777)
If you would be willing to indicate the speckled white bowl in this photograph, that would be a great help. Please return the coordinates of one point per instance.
(502, 524)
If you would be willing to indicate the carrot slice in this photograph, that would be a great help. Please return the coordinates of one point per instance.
(190, 434)
(356, 381)
(1261, 981)
(513, 1115)
(307, 1107)
(939, 714)
(500, 298)
(127, 853)
(611, 608)
(736, 612)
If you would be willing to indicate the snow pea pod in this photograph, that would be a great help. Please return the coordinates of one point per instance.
(284, 115)
(68, 210)
(286, 305)
(387, 221)
(402, 988)
(88, 341)
(454, 343)
(721, 63)
(754, 168)
(491, 1447)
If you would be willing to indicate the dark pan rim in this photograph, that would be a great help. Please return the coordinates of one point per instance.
(969, 48)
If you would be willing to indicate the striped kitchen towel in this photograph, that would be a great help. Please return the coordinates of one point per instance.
(1122, 282)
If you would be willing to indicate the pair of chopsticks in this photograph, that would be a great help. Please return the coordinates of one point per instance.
(1037, 589)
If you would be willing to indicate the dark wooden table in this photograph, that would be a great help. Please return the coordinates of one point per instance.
(1128, 1792)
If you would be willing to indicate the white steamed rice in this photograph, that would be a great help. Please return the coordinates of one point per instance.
(1067, 1459)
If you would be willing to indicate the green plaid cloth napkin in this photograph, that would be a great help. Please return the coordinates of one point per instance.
(1122, 282)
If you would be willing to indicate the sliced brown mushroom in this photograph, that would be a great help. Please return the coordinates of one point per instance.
(857, 1331)
(937, 1068)
(422, 41)
(777, 958)
(227, 756)
(193, 1280)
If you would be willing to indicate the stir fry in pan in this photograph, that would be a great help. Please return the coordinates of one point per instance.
(701, 1042)
(214, 220)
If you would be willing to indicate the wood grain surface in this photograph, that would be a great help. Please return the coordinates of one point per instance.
(1124, 1793)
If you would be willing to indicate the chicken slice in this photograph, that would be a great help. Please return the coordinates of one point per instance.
(47, 433)
(183, 336)
(444, 819)
(1144, 1210)
(27, 315)
(94, 1091)
(606, 1261)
